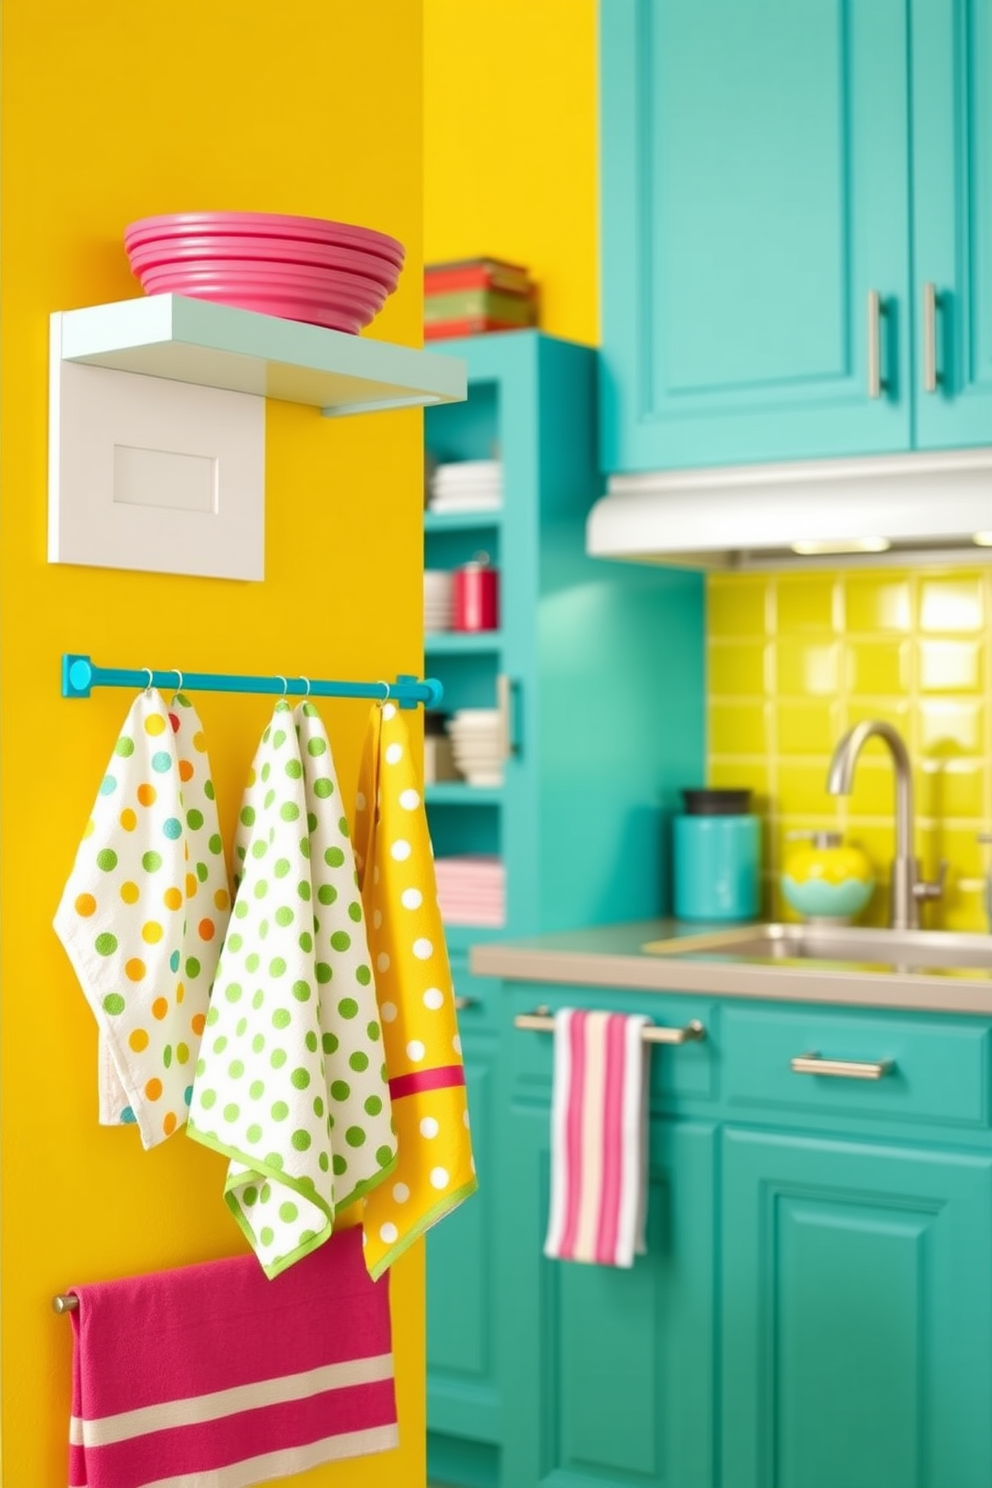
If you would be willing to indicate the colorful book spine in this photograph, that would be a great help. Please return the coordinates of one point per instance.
(486, 304)
(484, 274)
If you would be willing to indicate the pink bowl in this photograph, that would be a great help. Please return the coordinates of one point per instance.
(302, 275)
(329, 305)
(285, 306)
(263, 224)
(362, 306)
(220, 247)
(271, 275)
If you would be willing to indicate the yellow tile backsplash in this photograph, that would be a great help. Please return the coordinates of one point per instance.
(794, 659)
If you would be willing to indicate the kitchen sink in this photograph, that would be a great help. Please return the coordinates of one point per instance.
(923, 952)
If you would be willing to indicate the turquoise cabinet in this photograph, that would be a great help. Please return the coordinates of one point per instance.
(857, 1314)
(595, 765)
(613, 1368)
(779, 184)
(815, 1305)
(952, 220)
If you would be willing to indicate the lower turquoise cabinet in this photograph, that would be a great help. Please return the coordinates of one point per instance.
(814, 1309)
(613, 1369)
(857, 1314)
(609, 1376)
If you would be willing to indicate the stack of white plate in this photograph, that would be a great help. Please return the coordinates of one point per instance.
(439, 598)
(466, 485)
(476, 743)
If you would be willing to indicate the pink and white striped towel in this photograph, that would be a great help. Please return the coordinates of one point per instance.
(599, 1138)
(211, 1376)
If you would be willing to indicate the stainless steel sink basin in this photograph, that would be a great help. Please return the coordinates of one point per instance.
(922, 952)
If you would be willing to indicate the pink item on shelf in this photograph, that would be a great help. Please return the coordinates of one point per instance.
(264, 224)
(218, 247)
(320, 284)
(212, 1374)
(598, 1138)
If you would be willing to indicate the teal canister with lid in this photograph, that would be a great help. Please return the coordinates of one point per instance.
(717, 853)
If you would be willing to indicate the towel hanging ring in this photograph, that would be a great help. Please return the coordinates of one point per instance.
(385, 690)
(179, 684)
(285, 684)
(307, 681)
(151, 678)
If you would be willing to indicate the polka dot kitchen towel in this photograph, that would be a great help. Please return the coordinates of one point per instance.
(291, 1084)
(435, 1169)
(143, 912)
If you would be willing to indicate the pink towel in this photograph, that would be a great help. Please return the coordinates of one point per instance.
(214, 1377)
(599, 1139)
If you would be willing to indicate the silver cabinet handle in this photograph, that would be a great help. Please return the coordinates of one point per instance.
(930, 374)
(542, 1021)
(504, 690)
(461, 1003)
(874, 344)
(844, 1069)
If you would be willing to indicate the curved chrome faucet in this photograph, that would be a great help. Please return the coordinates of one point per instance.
(908, 888)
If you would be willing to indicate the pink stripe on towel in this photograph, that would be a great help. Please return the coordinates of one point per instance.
(212, 1376)
(598, 1138)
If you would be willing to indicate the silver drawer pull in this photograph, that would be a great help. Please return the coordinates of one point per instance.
(844, 1069)
(461, 1003)
(930, 374)
(875, 383)
(541, 1021)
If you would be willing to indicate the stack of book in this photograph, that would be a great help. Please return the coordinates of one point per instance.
(474, 295)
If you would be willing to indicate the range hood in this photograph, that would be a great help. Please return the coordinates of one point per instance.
(878, 509)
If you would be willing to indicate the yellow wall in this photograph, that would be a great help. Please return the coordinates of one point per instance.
(795, 659)
(111, 111)
(510, 146)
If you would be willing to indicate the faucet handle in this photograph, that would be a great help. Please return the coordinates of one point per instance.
(927, 891)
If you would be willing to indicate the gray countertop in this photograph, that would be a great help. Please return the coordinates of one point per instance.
(614, 956)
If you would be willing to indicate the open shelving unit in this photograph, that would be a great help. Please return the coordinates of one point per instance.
(593, 655)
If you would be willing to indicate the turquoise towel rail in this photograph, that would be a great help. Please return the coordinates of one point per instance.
(80, 675)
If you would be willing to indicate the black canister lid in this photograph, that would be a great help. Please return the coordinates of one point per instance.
(716, 802)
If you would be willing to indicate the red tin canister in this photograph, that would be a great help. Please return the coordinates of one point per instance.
(476, 597)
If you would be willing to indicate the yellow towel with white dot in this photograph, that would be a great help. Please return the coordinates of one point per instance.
(291, 1083)
(143, 914)
(435, 1169)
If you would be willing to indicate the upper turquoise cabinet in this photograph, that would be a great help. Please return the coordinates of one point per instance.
(952, 202)
(763, 295)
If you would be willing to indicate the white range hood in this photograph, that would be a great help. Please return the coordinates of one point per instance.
(879, 509)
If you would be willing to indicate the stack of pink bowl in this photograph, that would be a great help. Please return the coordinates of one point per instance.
(301, 268)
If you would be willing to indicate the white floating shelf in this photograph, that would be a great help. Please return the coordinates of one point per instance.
(196, 341)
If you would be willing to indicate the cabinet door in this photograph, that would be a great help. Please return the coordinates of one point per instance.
(754, 192)
(952, 196)
(612, 1370)
(462, 1388)
(857, 1297)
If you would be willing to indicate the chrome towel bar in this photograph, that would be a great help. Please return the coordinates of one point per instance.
(541, 1020)
(63, 1303)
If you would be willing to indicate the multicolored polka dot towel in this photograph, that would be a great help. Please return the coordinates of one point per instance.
(144, 911)
(435, 1170)
(291, 1084)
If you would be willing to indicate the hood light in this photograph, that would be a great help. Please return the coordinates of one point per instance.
(982, 539)
(826, 546)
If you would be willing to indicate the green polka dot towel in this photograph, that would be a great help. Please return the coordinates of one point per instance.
(143, 914)
(290, 1083)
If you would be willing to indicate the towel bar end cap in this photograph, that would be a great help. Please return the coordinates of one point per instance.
(77, 676)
